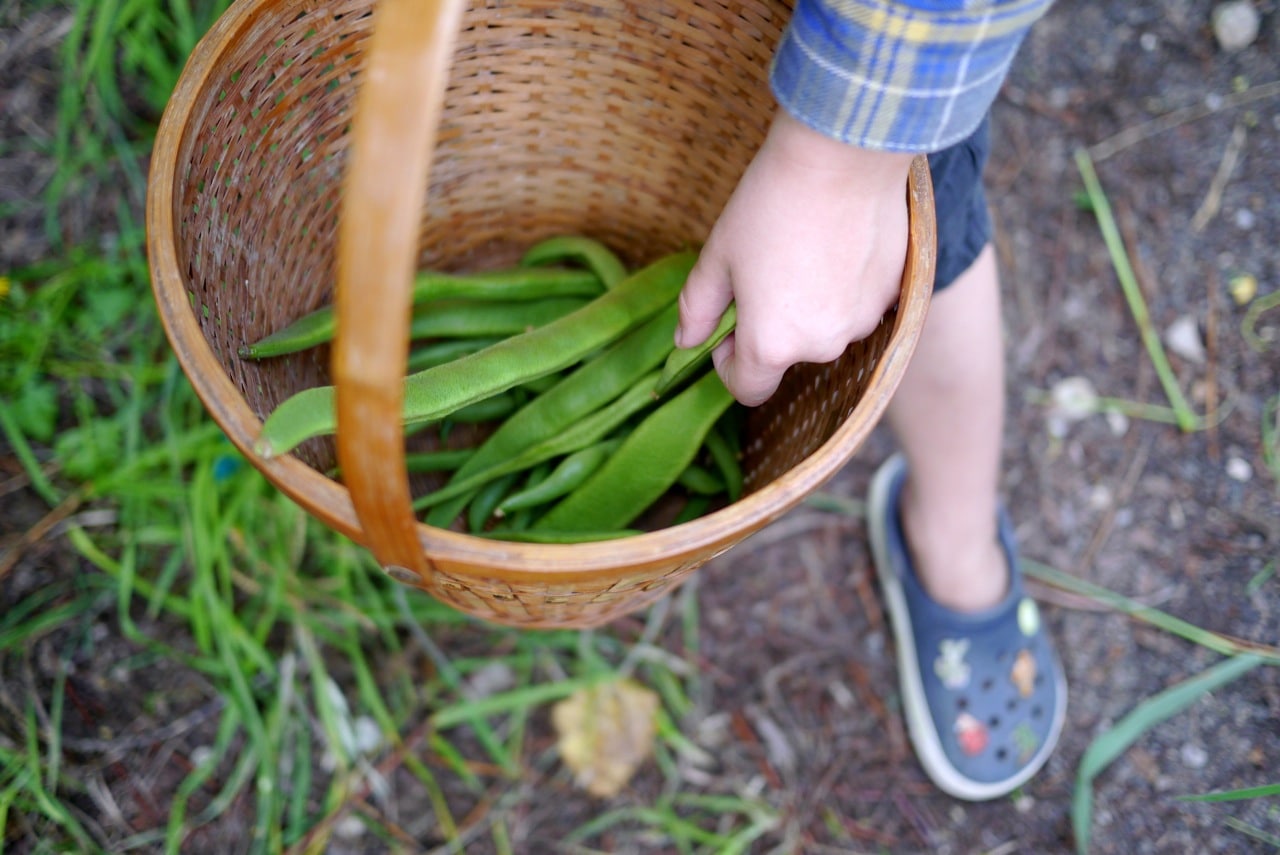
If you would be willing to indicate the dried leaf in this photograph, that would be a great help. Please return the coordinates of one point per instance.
(605, 732)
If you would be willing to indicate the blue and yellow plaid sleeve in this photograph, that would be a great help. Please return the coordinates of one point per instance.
(898, 76)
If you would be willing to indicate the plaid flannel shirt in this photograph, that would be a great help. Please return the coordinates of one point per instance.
(914, 76)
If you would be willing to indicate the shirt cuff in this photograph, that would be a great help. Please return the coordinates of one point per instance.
(892, 76)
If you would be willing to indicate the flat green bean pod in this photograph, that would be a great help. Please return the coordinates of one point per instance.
(597, 257)
(446, 350)
(646, 465)
(532, 536)
(695, 479)
(584, 391)
(583, 433)
(518, 283)
(486, 500)
(436, 392)
(568, 474)
(726, 461)
(684, 362)
(444, 460)
(463, 319)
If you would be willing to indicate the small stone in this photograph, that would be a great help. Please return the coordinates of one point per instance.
(1239, 469)
(1024, 803)
(200, 755)
(349, 827)
(1149, 41)
(1245, 219)
(1118, 422)
(1183, 338)
(841, 694)
(1193, 756)
(958, 815)
(1074, 398)
(367, 736)
(492, 678)
(1100, 497)
(1235, 24)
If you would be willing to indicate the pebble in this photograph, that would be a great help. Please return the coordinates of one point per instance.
(350, 827)
(1239, 469)
(1149, 41)
(1074, 398)
(1183, 338)
(1245, 219)
(1235, 24)
(367, 736)
(1118, 422)
(200, 754)
(491, 679)
(1193, 756)
(1100, 497)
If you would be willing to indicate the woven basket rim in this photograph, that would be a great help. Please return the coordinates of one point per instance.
(516, 561)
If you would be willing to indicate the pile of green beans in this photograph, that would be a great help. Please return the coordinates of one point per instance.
(602, 428)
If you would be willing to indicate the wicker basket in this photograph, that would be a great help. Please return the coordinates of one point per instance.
(627, 121)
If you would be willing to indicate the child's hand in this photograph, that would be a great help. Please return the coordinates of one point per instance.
(810, 246)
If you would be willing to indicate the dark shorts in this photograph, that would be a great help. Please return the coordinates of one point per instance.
(964, 223)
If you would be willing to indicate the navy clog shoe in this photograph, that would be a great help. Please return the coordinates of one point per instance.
(984, 693)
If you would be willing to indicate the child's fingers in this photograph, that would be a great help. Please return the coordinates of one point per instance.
(706, 294)
(749, 381)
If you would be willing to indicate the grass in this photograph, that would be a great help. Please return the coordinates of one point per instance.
(318, 690)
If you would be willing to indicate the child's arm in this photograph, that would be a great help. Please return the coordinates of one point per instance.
(812, 242)
(810, 246)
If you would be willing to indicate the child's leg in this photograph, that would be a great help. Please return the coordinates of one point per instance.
(948, 418)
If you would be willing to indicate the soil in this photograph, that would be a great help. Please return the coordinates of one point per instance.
(800, 701)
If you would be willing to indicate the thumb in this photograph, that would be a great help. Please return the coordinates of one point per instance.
(707, 292)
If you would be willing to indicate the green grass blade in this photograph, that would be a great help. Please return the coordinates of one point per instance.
(1162, 620)
(1187, 419)
(21, 449)
(1258, 834)
(518, 699)
(1114, 742)
(1236, 795)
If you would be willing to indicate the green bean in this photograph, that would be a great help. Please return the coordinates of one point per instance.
(701, 481)
(532, 536)
(539, 385)
(442, 460)
(436, 392)
(518, 283)
(439, 352)
(646, 465)
(726, 461)
(695, 507)
(585, 432)
(583, 391)
(462, 319)
(486, 500)
(597, 257)
(519, 519)
(485, 410)
(568, 474)
(684, 362)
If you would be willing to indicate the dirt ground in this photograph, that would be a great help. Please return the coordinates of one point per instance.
(801, 685)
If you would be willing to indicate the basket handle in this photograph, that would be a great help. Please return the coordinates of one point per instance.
(397, 112)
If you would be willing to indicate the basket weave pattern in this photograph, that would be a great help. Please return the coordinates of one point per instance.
(630, 122)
